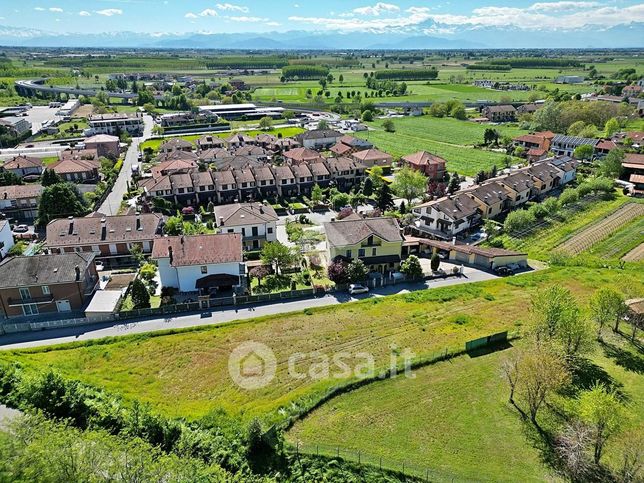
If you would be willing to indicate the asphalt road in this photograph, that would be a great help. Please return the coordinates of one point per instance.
(112, 203)
(217, 316)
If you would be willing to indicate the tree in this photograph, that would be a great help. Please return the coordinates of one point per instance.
(50, 177)
(337, 272)
(367, 186)
(259, 272)
(600, 408)
(490, 136)
(323, 124)
(611, 165)
(384, 199)
(411, 267)
(435, 262)
(409, 184)
(367, 115)
(585, 152)
(266, 123)
(277, 255)
(341, 78)
(317, 195)
(8, 178)
(376, 174)
(357, 271)
(340, 200)
(454, 183)
(389, 126)
(576, 128)
(572, 447)
(59, 201)
(549, 117)
(510, 369)
(140, 294)
(611, 127)
(606, 306)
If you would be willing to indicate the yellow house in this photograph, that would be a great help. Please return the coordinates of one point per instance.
(375, 241)
(518, 186)
(491, 198)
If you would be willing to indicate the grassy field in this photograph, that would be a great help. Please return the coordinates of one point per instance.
(284, 131)
(186, 374)
(454, 417)
(446, 137)
(540, 243)
(621, 241)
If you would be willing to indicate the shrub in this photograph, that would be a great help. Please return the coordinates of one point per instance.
(568, 197)
(518, 220)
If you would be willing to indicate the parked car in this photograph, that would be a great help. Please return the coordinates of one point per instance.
(20, 228)
(356, 288)
(100, 267)
(503, 271)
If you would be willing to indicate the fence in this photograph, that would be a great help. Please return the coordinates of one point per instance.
(385, 464)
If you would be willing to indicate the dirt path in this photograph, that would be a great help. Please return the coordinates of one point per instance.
(635, 255)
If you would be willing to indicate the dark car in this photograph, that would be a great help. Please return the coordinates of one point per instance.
(503, 271)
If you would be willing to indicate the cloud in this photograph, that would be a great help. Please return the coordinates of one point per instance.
(248, 19)
(84, 13)
(232, 8)
(56, 9)
(272, 23)
(190, 15)
(562, 6)
(413, 17)
(110, 12)
(40, 9)
(209, 12)
(377, 9)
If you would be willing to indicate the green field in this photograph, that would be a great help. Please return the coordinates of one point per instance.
(620, 242)
(186, 374)
(454, 417)
(449, 138)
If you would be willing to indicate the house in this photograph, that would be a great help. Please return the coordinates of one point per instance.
(348, 144)
(17, 126)
(176, 155)
(6, 238)
(176, 144)
(540, 140)
(503, 113)
(566, 166)
(256, 222)
(534, 155)
(633, 166)
(346, 172)
(284, 144)
(491, 198)
(321, 174)
(529, 108)
(256, 152)
(245, 180)
(77, 170)
(265, 181)
(226, 186)
(301, 155)
(235, 141)
(518, 187)
(566, 145)
(265, 140)
(448, 216)
(24, 166)
(373, 157)
(204, 186)
(104, 144)
(545, 177)
(604, 146)
(209, 142)
(569, 79)
(486, 258)
(632, 91)
(303, 178)
(429, 164)
(206, 264)
(285, 181)
(20, 201)
(173, 166)
(634, 138)
(42, 284)
(318, 138)
(117, 123)
(110, 238)
(209, 155)
(375, 241)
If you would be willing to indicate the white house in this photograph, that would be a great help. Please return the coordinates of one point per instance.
(255, 222)
(447, 217)
(6, 238)
(319, 138)
(206, 264)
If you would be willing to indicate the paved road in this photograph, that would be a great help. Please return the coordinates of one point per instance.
(112, 203)
(217, 316)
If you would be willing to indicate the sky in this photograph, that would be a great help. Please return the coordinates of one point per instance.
(440, 18)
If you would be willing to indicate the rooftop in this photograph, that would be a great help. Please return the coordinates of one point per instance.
(199, 249)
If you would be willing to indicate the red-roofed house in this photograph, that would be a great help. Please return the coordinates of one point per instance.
(373, 157)
(429, 164)
(24, 166)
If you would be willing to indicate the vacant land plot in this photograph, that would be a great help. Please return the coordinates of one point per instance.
(186, 374)
(600, 230)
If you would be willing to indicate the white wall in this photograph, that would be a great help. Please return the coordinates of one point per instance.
(185, 278)
(6, 237)
(261, 230)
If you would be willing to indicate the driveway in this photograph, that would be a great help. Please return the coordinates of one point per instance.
(113, 201)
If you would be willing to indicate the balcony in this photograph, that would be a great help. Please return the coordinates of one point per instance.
(45, 299)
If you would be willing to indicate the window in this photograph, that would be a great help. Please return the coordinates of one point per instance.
(370, 240)
(243, 231)
(361, 252)
(30, 309)
(45, 290)
(373, 252)
(204, 269)
(24, 294)
(255, 231)
(231, 230)
(348, 253)
(269, 230)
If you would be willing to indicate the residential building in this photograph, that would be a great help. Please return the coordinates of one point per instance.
(303, 178)
(545, 177)
(235, 141)
(373, 157)
(486, 258)
(172, 166)
(503, 113)
(176, 144)
(265, 181)
(226, 186)
(566, 166)
(566, 145)
(529, 108)
(321, 174)
(110, 238)
(77, 170)
(18, 126)
(448, 216)
(632, 91)
(117, 123)
(285, 181)
(633, 166)
(375, 241)
(20, 201)
(301, 155)
(604, 146)
(518, 187)
(6, 238)
(255, 222)
(491, 198)
(430, 165)
(540, 140)
(207, 264)
(347, 145)
(24, 166)
(346, 172)
(209, 142)
(318, 138)
(104, 144)
(42, 284)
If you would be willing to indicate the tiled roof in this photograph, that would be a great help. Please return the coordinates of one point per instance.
(172, 165)
(455, 207)
(349, 232)
(319, 134)
(23, 162)
(302, 154)
(237, 214)
(175, 143)
(16, 192)
(490, 193)
(200, 249)
(518, 182)
(283, 172)
(68, 165)
(43, 269)
(423, 158)
(370, 155)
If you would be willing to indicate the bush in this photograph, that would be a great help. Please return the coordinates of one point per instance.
(568, 197)
(518, 220)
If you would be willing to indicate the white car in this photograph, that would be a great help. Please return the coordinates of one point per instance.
(100, 267)
(356, 288)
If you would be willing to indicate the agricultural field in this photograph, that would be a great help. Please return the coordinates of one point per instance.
(602, 229)
(635, 255)
(186, 374)
(451, 139)
(621, 242)
(454, 417)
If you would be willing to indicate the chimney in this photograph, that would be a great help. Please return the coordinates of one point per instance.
(138, 221)
(71, 224)
(221, 221)
(453, 240)
(103, 228)
(77, 269)
(170, 254)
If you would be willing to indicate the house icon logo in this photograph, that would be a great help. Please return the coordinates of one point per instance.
(252, 365)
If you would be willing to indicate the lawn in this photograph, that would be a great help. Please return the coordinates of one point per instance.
(453, 417)
(186, 374)
(449, 138)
